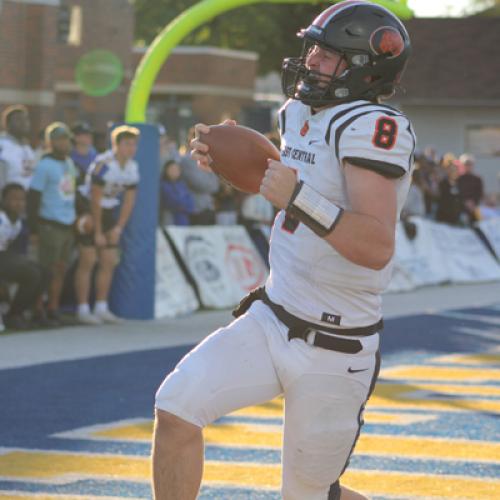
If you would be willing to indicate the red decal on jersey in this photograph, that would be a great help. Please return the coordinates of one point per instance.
(305, 128)
(386, 131)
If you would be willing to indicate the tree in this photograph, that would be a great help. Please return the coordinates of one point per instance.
(266, 29)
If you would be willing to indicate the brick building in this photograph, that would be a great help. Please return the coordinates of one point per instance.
(41, 42)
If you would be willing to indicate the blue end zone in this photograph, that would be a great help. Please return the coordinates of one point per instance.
(40, 401)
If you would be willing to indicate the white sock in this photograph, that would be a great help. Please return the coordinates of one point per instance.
(83, 309)
(101, 306)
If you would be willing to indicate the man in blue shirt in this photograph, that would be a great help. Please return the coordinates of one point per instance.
(51, 210)
(83, 152)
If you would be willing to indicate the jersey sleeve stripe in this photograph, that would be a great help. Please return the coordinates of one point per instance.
(342, 127)
(381, 167)
(377, 107)
(414, 139)
(340, 114)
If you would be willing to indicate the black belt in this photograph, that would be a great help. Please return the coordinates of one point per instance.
(299, 328)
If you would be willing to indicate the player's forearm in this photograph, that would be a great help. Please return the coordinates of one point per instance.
(363, 240)
(95, 208)
(126, 210)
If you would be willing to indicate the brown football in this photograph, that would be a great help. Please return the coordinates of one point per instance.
(239, 155)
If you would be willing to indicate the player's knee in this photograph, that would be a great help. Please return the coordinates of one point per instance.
(172, 430)
(321, 452)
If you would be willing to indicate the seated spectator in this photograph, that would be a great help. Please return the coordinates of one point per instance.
(470, 187)
(415, 203)
(15, 268)
(83, 152)
(450, 208)
(226, 200)
(104, 217)
(15, 150)
(51, 211)
(203, 185)
(176, 201)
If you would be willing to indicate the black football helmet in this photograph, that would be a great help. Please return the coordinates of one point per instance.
(373, 42)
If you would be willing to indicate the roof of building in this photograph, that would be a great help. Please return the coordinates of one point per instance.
(453, 60)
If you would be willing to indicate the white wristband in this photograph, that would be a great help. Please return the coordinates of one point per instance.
(314, 210)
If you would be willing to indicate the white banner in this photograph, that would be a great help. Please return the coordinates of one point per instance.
(173, 294)
(491, 229)
(464, 255)
(222, 260)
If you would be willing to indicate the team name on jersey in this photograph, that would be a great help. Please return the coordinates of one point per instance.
(299, 155)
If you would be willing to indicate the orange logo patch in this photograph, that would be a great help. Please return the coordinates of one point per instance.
(387, 41)
(305, 128)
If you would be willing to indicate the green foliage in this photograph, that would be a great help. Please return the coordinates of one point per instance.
(266, 29)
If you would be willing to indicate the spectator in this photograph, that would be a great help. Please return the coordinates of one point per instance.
(203, 185)
(429, 182)
(226, 205)
(83, 152)
(176, 201)
(450, 207)
(470, 187)
(15, 150)
(415, 203)
(113, 174)
(15, 268)
(51, 211)
(168, 147)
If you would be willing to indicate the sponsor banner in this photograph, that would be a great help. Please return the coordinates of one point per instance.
(222, 260)
(440, 253)
(464, 255)
(173, 294)
(491, 229)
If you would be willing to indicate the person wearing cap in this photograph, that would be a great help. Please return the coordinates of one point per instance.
(83, 152)
(105, 203)
(51, 210)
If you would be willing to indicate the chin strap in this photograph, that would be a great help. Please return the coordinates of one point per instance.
(313, 210)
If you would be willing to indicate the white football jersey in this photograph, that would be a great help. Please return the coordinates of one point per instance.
(114, 179)
(308, 276)
(20, 160)
(8, 231)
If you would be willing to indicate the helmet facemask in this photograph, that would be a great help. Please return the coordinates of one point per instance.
(319, 89)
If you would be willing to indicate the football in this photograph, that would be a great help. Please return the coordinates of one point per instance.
(239, 155)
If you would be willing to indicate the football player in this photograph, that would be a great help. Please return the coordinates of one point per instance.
(313, 333)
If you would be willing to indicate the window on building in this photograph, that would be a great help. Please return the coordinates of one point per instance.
(483, 140)
(75, 26)
(69, 25)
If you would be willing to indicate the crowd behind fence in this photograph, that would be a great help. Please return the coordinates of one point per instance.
(64, 205)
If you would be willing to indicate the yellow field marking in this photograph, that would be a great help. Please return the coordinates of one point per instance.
(469, 359)
(441, 373)
(458, 389)
(372, 417)
(54, 496)
(271, 409)
(405, 396)
(22, 465)
(258, 436)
